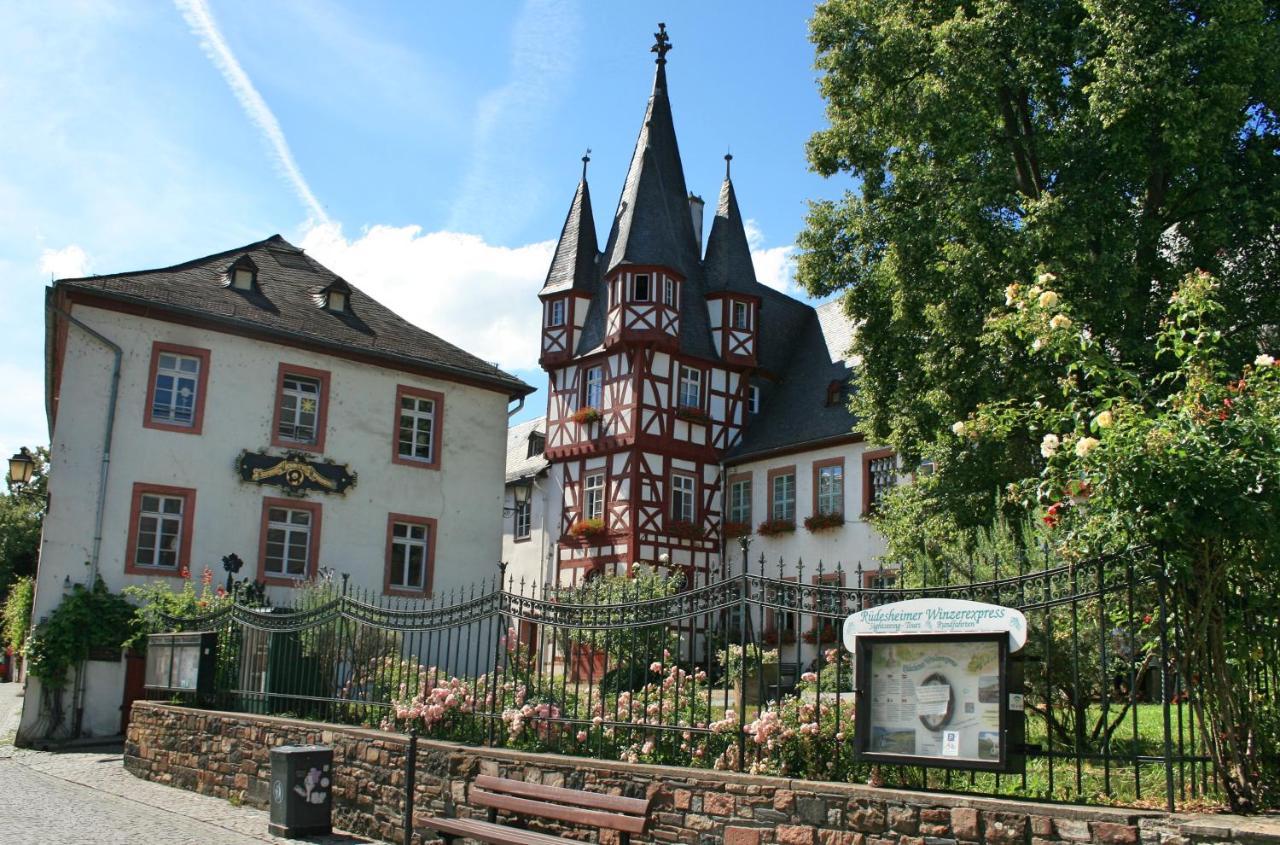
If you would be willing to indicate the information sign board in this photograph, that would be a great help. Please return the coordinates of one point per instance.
(935, 684)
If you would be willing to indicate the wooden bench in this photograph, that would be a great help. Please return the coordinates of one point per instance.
(533, 800)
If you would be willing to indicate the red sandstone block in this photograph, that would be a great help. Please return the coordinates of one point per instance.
(964, 823)
(1007, 829)
(681, 798)
(784, 800)
(718, 804)
(1042, 826)
(741, 836)
(795, 834)
(1109, 833)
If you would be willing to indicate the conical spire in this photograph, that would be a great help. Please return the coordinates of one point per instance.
(728, 262)
(652, 224)
(574, 264)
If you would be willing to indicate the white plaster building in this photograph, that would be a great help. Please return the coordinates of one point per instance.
(225, 406)
(531, 508)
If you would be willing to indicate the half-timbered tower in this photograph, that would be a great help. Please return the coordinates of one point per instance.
(650, 347)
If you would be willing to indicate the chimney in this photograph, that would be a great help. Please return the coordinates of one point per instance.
(695, 210)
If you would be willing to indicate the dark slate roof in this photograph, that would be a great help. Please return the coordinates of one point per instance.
(284, 305)
(519, 464)
(573, 267)
(794, 411)
(728, 261)
(652, 224)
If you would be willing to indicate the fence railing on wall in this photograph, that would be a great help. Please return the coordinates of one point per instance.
(743, 673)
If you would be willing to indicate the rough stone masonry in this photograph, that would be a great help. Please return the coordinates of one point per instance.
(227, 754)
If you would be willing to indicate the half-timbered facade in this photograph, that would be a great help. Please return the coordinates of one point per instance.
(662, 358)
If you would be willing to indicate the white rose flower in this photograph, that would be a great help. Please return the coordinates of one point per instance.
(1036, 344)
(1011, 294)
(958, 428)
(1046, 278)
(1049, 445)
(1264, 361)
(1048, 299)
(1104, 420)
(1035, 291)
(1085, 445)
(1060, 321)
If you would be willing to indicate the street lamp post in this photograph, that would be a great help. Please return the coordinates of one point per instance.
(21, 468)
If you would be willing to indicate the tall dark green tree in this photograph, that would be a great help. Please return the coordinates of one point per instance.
(1116, 143)
(21, 519)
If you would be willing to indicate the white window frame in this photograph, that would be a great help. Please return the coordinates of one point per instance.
(784, 506)
(242, 278)
(292, 388)
(593, 386)
(405, 544)
(684, 497)
(830, 492)
(593, 496)
(418, 419)
(555, 312)
(648, 288)
(180, 379)
(522, 520)
(753, 399)
(291, 534)
(740, 500)
(736, 308)
(166, 525)
(669, 292)
(690, 387)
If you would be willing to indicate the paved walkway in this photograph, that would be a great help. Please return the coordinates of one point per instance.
(84, 795)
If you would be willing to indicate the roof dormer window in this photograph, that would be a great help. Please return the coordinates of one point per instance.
(336, 297)
(243, 273)
(537, 443)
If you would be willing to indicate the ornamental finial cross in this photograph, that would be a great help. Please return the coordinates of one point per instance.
(662, 44)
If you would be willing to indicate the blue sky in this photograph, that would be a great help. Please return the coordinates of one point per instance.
(427, 151)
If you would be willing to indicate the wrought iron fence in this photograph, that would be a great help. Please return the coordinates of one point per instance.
(743, 672)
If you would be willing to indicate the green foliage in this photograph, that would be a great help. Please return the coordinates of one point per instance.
(626, 600)
(1121, 143)
(1187, 463)
(157, 602)
(17, 613)
(21, 519)
(734, 659)
(87, 619)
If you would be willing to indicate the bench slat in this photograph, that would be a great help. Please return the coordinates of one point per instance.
(576, 797)
(495, 834)
(574, 815)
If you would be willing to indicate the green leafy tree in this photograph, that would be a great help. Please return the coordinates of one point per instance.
(1121, 143)
(1187, 464)
(21, 518)
(17, 613)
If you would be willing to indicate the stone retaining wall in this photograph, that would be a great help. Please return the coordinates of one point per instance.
(227, 755)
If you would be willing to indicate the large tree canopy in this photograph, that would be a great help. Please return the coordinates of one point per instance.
(1117, 143)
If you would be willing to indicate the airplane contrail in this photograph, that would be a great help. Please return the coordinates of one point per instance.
(200, 19)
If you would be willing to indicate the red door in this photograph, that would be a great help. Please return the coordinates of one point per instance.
(135, 678)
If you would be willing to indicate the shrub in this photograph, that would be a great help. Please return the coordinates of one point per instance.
(772, 527)
(86, 620)
(823, 521)
(17, 613)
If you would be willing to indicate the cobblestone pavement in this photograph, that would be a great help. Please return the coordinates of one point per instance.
(84, 795)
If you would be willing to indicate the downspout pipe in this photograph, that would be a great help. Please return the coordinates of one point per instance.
(117, 356)
(511, 412)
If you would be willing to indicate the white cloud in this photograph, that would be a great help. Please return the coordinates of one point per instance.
(70, 262)
(22, 412)
(478, 296)
(200, 19)
(775, 266)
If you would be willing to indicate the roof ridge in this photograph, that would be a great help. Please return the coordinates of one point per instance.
(186, 265)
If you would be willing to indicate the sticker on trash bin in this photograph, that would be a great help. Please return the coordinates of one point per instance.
(277, 792)
(309, 788)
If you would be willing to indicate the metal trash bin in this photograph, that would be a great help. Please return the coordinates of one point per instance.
(301, 791)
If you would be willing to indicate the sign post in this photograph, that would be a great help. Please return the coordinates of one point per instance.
(935, 684)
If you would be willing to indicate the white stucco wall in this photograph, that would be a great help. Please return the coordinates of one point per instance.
(464, 495)
(533, 560)
(856, 543)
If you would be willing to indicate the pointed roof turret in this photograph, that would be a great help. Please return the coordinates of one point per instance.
(728, 262)
(573, 267)
(652, 224)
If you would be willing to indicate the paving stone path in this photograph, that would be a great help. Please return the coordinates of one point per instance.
(84, 795)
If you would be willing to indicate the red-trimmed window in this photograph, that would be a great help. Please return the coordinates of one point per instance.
(593, 496)
(690, 387)
(160, 522)
(684, 497)
(879, 474)
(411, 542)
(419, 423)
(176, 388)
(828, 487)
(740, 498)
(302, 403)
(782, 494)
(290, 541)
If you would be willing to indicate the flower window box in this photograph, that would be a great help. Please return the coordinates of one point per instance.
(583, 416)
(685, 530)
(773, 527)
(736, 529)
(587, 528)
(693, 415)
(823, 521)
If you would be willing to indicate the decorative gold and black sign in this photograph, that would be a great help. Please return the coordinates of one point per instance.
(295, 472)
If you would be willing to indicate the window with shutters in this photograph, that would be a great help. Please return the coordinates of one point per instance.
(879, 475)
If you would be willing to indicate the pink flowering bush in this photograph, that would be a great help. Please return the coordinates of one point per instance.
(799, 738)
